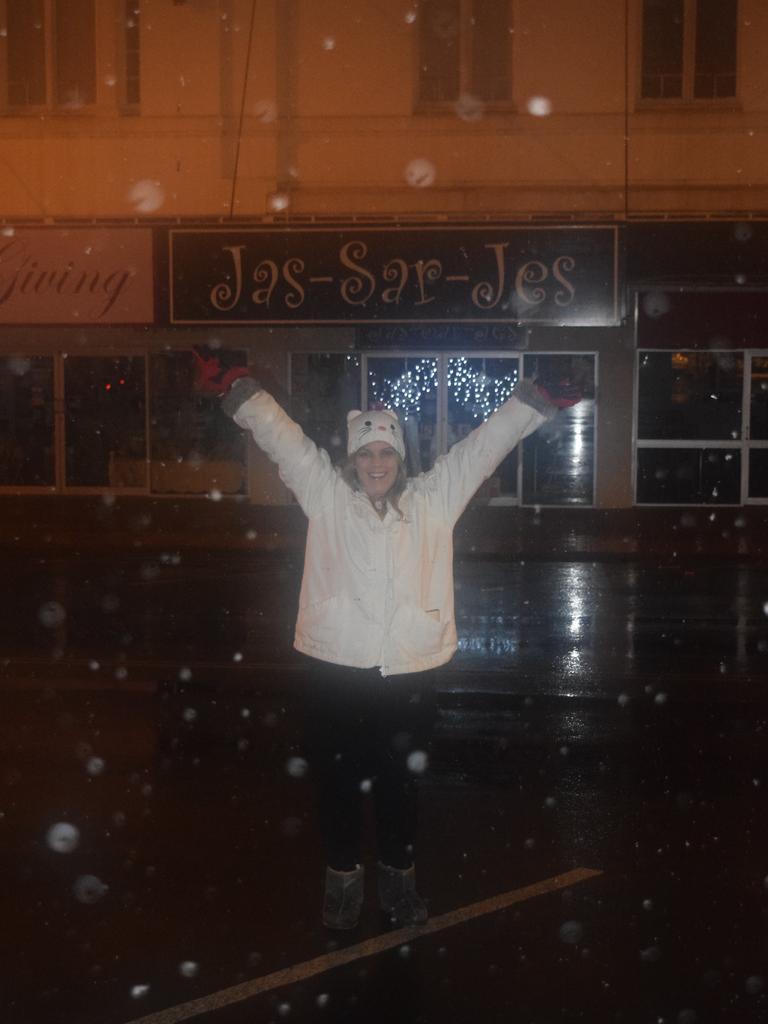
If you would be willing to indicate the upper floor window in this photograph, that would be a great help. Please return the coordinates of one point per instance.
(689, 49)
(464, 50)
(130, 50)
(69, 54)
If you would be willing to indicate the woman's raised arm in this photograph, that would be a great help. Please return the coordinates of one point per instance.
(456, 476)
(303, 467)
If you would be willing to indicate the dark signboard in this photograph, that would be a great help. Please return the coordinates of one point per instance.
(724, 319)
(724, 254)
(398, 275)
(457, 336)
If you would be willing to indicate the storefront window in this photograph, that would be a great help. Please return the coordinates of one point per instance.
(758, 473)
(104, 422)
(559, 459)
(690, 395)
(409, 386)
(685, 476)
(692, 401)
(477, 387)
(758, 428)
(758, 405)
(324, 387)
(195, 449)
(26, 422)
(440, 399)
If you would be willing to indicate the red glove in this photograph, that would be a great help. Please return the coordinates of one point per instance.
(562, 393)
(212, 377)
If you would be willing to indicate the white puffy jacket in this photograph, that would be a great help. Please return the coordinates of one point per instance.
(380, 592)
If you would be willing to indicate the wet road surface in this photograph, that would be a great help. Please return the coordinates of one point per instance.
(578, 628)
(617, 722)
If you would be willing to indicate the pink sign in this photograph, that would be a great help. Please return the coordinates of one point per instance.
(76, 276)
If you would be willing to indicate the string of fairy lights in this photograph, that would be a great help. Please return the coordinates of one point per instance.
(476, 390)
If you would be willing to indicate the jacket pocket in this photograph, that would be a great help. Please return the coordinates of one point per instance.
(418, 632)
(339, 624)
(319, 622)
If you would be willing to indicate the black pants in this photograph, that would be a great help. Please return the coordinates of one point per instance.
(366, 733)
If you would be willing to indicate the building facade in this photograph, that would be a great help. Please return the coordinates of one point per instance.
(401, 203)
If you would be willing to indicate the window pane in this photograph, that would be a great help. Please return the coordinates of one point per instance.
(132, 53)
(104, 422)
(409, 386)
(439, 50)
(490, 49)
(758, 473)
(559, 459)
(715, 48)
(662, 48)
(662, 86)
(680, 476)
(195, 448)
(685, 395)
(324, 387)
(476, 388)
(75, 53)
(758, 405)
(26, 422)
(26, 52)
(503, 374)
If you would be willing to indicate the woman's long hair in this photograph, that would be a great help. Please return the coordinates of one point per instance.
(392, 497)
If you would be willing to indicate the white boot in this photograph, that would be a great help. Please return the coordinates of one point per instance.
(343, 898)
(398, 896)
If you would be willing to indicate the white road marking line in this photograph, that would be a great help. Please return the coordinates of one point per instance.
(379, 944)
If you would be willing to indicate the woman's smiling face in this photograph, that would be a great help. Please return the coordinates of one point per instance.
(376, 465)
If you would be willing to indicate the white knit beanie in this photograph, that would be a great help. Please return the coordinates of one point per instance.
(378, 425)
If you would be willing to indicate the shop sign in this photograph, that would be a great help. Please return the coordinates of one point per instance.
(432, 273)
(76, 276)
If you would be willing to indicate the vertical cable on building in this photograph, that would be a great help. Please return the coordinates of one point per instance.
(246, 74)
(626, 110)
(625, 296)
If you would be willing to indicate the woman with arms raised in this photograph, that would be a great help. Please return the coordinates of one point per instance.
(376, 613)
